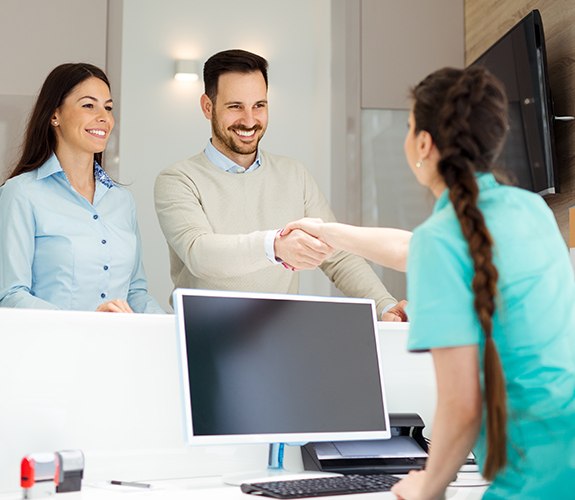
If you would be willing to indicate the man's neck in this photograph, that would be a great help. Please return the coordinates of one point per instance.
(242, 160)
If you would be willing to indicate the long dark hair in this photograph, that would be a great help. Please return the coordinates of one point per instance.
(229, 61)
(465, 112)
(40, 139)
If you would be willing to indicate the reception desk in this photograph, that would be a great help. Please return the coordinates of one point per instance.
(108, 384)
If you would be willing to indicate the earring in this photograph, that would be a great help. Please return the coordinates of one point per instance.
(419, 163)
(55, 123)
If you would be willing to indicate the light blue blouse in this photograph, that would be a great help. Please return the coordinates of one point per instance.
(59, 251)
(533, 328)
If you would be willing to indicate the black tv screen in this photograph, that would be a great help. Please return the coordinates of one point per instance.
(519, 60)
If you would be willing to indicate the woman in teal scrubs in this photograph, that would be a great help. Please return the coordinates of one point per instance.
(491, 294)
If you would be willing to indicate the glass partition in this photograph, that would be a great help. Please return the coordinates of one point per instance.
(391, 197)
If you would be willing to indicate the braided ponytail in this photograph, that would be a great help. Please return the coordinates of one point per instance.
(463, 193)
(469, 134)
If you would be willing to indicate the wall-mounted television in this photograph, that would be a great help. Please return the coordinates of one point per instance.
(519, 60)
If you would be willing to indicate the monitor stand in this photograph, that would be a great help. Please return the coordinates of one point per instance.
(275, 469)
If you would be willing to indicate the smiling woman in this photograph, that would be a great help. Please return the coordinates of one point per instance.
(68, 234)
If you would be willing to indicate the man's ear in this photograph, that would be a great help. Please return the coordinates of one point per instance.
(207, 106)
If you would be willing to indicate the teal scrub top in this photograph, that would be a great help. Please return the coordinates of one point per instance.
(533, 328)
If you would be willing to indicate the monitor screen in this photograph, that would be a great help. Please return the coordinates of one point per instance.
(267, 368)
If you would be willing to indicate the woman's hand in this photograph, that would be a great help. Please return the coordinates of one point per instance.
(115, 306)
(310, 225)
(411, 487)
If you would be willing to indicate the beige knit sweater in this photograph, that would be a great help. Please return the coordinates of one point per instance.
(215, 225)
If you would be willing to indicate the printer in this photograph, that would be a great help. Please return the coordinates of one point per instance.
(406, 450)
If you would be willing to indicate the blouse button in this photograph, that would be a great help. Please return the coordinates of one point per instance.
(103, 295)
(106, 268)
(95, 217)
(104, 242)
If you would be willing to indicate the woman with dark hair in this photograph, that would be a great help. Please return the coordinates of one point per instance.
(68, 234)
(491, 293)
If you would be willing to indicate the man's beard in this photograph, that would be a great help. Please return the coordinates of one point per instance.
(230, 142)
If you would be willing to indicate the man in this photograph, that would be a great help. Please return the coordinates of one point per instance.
(222, 210)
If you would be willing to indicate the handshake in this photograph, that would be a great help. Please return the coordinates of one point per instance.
(299, 245)
(308, 242)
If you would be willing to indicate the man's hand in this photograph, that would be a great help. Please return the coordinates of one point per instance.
(396, 313)
(299, 250)
(117, 306)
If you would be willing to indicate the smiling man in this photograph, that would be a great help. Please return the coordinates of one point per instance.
(222, 210)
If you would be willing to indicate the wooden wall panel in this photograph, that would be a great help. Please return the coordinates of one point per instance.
(486, 21)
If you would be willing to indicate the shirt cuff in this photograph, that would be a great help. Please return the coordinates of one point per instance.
(269, 246)
(387, 308)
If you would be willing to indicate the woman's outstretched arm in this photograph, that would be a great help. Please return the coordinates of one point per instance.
(387, 247)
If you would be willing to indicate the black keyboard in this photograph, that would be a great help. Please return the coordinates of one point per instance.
(322, 486)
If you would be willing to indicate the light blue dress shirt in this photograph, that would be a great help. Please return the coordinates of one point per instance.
(220, 160)
(533, 328)
(59, 251)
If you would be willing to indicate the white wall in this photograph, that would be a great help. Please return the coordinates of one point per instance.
(161, 121)
(35, 37)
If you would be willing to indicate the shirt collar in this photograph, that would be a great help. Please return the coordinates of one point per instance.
(484, 181)
(52, 166)
(101, 175)
(221, 161)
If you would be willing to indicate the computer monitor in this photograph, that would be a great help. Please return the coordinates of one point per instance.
(272, 368)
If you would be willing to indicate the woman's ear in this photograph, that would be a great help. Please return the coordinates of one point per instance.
(424, 144)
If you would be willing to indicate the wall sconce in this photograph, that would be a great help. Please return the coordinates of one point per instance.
(187, 70)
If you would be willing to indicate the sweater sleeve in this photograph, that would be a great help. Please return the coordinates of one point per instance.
(351, 274)
(188, 232)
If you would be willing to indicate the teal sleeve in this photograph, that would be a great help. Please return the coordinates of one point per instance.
(440, 299)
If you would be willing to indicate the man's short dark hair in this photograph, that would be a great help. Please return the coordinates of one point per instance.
(230, 61)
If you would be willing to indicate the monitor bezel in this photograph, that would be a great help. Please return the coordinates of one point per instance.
(268, 438)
